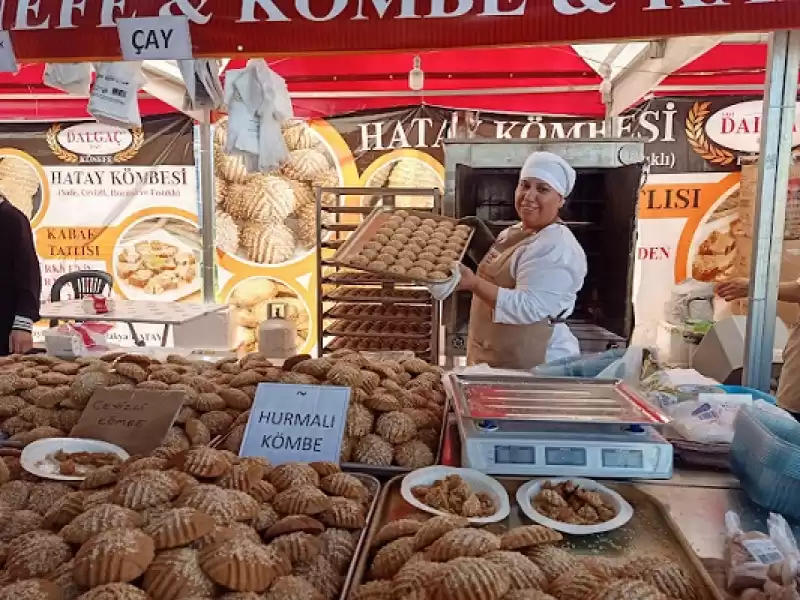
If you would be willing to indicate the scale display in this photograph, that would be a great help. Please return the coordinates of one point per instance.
(565, 457)
(515, 455)
(623, 459)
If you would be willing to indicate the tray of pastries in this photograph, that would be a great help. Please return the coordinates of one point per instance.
(380, 344)
(406, 245)
(379, 329)
(380, 312)
(382, 294)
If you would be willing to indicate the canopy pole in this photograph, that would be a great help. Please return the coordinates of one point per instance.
(780, 97)
(205, 169)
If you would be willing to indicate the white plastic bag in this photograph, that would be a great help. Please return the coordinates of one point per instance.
(115, 95)
(690, 299)
(781, 535)
(627, 368)
(203, 85)
(73, 78)
(743, 565)
(258, 102)
(709, 419)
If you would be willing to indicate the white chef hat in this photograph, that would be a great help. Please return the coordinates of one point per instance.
(550, 168)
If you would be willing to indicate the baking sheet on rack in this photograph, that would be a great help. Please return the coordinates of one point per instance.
(339, 312)
(337, 328)
(374, 486)
(367, 230)
(348, 294)
(651, 531)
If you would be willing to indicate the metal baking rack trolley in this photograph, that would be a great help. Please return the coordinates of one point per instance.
(364, 311)
(558, 427)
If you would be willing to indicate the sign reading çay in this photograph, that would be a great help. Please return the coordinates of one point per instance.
(155, 38)
(303, 423)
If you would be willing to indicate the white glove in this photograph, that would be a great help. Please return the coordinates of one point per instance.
(444, 290)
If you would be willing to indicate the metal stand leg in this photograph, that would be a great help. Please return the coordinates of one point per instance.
(205, 167)
(780, 97)
(136, 339)
(164, 336)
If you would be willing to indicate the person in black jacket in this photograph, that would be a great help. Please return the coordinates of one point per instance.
(20, 281)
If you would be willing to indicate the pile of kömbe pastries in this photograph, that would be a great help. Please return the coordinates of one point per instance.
(395, 415)
(443, 558)
(204, 524)
(421, 248)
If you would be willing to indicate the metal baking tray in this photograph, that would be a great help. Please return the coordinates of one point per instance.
(366, 231)
(552, 399)
(388, 296)
(340, 312)
(374, 486)
(651, 531)
(336, 328)
(351, 342)
(360, 278)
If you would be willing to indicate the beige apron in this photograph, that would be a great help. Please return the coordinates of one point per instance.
(497, 344)
(789, 384)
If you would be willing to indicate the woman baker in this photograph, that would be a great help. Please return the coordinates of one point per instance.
(528, 278)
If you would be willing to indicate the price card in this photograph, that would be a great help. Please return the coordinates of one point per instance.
(302, 423)
(155, 38)
(137, 421)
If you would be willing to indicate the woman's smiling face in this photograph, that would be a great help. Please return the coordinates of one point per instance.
(537, 203)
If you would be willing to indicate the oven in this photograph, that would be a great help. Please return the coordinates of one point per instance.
(480, 178)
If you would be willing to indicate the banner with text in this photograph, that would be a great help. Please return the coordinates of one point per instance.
(116, 200)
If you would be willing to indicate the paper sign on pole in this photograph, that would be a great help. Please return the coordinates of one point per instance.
(303, 423)
(155, 38)
(8, 60)
(137, 421)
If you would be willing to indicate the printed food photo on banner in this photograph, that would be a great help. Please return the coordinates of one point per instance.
(712, 253)
(257, 299)
(270, 218)
(158, 257)
(21, 183)
(404, 169)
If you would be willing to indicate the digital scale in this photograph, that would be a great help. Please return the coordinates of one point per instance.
(536, 426)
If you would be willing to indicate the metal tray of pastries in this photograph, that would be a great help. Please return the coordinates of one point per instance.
(380, 344)
(406, 245)
(380, 329)
(381, 312)
(385, 294)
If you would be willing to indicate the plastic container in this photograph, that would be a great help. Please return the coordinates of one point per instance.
(756, 394)
(765, 456)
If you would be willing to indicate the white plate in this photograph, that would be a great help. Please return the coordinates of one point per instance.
(477, 481)
(621, 507)
(34, 456)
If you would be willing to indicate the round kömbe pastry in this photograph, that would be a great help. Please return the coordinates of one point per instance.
(399, 237)
(373, 246)
(452, 246)
(452, 254)
(407, 254)
(404, 231)
(439, 235)
(396, 244)
(400, 213)
(461, 231)
(417, 272)
(404, 262)
(445, 260)
(433, 249)
(429, 222)
(390, 250)
(378, 265)
(426, 229)
(381, 239)
(387, 231)
(386, 258)
(434, 242)
(419, 240)
(425, 264)
(448, 225)
(414, 248)
(426, 256)
(438, 275)
(359, 260)
(410, 224)
(370, 254)
(397, 269)
(414, 219)
(393, 222)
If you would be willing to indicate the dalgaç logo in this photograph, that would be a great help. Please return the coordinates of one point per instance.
(94, 143)
(718, 136)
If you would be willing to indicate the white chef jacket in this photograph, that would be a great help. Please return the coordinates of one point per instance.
(549, 271)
